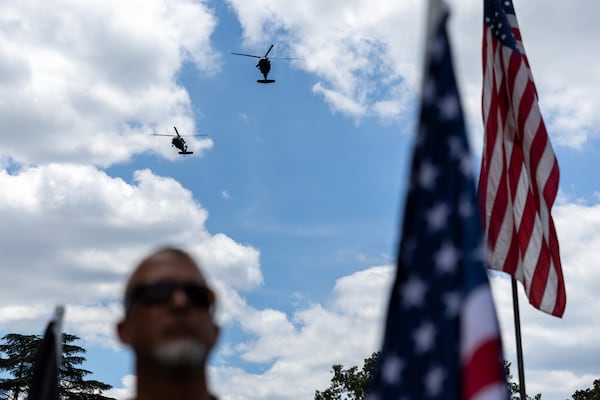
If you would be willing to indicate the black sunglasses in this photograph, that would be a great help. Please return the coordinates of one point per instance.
(160, 293)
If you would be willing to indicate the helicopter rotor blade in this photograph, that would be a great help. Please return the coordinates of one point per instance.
(268, 51)
(164, 134)
(176, 131)
(247, 55)
(192, 135)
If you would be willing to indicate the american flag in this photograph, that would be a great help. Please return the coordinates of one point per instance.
(442, 339)
(519, 172)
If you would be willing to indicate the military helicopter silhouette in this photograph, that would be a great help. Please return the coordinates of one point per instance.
(178, 141)
(264, 64)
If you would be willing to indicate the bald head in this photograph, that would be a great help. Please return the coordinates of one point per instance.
(163, 263)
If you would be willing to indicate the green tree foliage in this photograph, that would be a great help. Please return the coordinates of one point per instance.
(17, 358)
(514, 388)
(588, 394)
(19, 352)
(350, 383)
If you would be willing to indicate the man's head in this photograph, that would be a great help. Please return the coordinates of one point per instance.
(168, 312)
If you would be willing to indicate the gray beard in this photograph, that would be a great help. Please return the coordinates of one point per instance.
(180, 353)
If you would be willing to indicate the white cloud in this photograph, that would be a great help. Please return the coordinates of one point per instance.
(85, 84)
(349, 328)
(95, 324)
(127, 390)
(556, 48)
(236, 265)
(362, 293)
(308, 342)
(347, 45)
(367, 57)
(79, 232)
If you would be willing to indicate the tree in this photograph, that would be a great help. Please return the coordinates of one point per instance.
(20, 351)
(514, 388)
(349, 383)
(352, 384)
(588, 394)
(17, 358)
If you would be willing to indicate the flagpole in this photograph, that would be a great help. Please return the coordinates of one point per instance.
(518, 339)
(45, 381)
(59, 313)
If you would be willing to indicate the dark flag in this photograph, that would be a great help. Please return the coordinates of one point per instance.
(442, 338)
(519, 171)
(44, 384)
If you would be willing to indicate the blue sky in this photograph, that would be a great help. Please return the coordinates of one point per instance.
(293, 200)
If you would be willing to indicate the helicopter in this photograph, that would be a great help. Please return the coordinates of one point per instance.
(264, 64)
(178, 141)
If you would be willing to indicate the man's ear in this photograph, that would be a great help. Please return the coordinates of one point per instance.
(123, 332)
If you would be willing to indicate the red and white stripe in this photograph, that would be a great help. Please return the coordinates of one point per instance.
(480, 345)
(519, 176)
